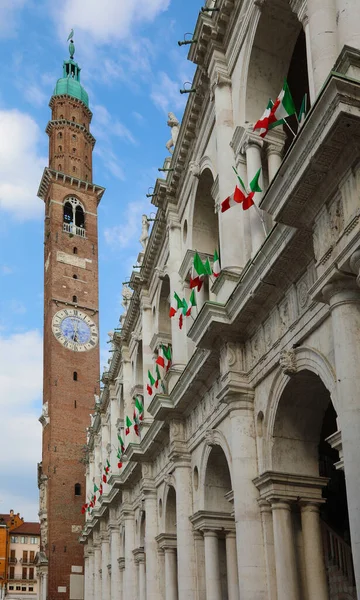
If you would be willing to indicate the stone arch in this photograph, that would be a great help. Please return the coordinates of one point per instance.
(206, 163)
(170, 510)
(215, 452)
(138, 364)
(308, 359)
(162, 322)
(204, 221)
(312, 369)
(267, 56)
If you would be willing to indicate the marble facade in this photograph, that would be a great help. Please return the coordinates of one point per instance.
(225, 495)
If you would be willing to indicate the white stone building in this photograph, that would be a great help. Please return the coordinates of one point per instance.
(245, 483)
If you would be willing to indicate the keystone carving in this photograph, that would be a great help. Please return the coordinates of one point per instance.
(210, 437)
(287, 362)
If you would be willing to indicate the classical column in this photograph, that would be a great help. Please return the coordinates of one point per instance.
(139, 557)
(231, 566)
(275, 141)
(114, 416)
(97, 567)
(89, 575)
(252, 147)
(171, 584)
(348, 19)
(178, 337)
(212, 566)
(323, 39)
(313, 552)
(115, 554)
(130, 570)
(268, 535)
(147, 354)
(185, 538)
(105, 561)
(44, 586)
(151, 531)
(343, 297)
(121, 563)
(229, 221)
(250, 546)
(286, 575)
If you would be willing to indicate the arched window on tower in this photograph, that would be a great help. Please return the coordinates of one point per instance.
(59, 135)
(74, 217)
(60, 148)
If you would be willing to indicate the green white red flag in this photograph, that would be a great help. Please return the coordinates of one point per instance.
(136, 423)
(216, 265)
(150, 383)
(192, 303)
(140, 408)
(178, 306)
(121, 442)
(128, 425)
(276, 112)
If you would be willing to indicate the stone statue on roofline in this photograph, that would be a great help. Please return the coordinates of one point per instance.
(174, 124)
(126, 296)
(144, 231)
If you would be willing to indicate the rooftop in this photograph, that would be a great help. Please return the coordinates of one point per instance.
(27, 529)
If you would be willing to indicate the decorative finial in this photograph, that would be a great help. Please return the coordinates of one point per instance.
(71, 45)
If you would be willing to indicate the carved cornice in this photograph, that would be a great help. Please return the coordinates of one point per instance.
(51, 176)
(167, 541)
(205, 520)
(289, 487)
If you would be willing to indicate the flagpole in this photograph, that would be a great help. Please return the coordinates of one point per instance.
(290, 128)
(258, 212)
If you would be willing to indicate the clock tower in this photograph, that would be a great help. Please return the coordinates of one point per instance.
(71, 318)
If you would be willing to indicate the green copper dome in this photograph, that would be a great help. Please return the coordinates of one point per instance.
(70, 81)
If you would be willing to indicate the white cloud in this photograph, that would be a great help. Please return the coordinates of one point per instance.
(6, 270)
(111, 163)
(21, 387)
(166, 95)
(129, 231)
(109, 20)
(9, 10)
(21, 165)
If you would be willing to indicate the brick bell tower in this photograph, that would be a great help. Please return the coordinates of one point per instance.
(71, 350)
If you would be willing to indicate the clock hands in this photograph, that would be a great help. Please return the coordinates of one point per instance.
(76, 327)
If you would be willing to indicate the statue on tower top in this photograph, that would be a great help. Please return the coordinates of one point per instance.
(71, 45)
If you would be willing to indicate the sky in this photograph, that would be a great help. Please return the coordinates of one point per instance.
(132, 69)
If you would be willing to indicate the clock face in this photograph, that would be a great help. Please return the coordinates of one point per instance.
(75, 330)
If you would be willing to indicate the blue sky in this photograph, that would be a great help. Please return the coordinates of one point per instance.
(132, 69)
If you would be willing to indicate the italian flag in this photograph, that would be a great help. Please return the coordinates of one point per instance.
(128, 425)
(140, 408)
(100, 489)
(119, 456)
(192, 302)
(104, 478)
(179, 304)
(164, 357)
(283, 106)
(236, 197)
(253, 186)
(83, 508)
(149, 385)
(158, 376)
(96, 489)
(121, 442)
(277, 111)
(107, 468)
(216, 265)
(136, 423)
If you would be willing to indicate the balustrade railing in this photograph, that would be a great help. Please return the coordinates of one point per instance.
(74, 229)
(337, 553)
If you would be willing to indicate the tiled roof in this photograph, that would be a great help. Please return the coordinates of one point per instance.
(27, 528)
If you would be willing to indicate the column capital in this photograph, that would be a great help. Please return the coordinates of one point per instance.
(121, 563)
(251, 140)
(210, 533)
(167, 541)
(307, 506)
(139, 555)
(275, 142)
(218, 70)
(342, 290)
(281, 504)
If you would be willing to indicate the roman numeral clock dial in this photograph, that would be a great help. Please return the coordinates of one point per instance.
(75, 330)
